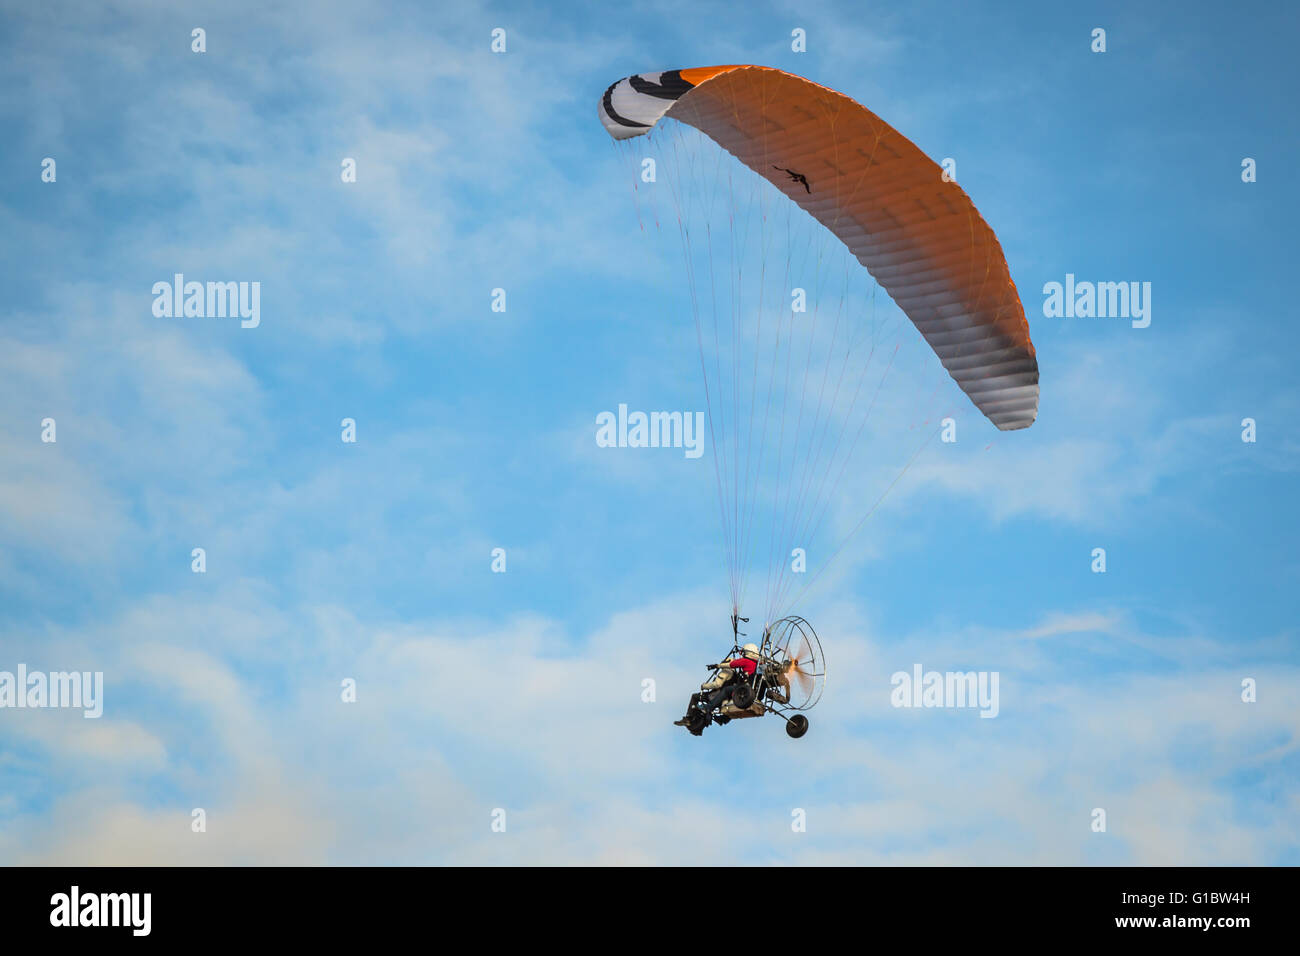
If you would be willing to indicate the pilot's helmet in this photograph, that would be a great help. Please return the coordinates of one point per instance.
(750, 651)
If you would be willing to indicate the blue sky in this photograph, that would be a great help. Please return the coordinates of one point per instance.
(476, 430)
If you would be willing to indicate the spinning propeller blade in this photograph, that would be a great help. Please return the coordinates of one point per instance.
(804, 678)
(802, 667)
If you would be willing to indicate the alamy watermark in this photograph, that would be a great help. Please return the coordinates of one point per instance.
(951, 689)
(651, 430)
(1102, 300)
(210, 300)
(82, 690)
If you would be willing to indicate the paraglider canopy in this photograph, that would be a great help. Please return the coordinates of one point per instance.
(915, 230)
(785, 194)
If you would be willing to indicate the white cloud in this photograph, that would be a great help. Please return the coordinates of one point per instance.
(455, 719)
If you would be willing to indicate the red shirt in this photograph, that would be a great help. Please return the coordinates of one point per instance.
(744, 664)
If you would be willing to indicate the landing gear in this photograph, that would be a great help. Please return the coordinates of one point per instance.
(797, 726)
(743, 695)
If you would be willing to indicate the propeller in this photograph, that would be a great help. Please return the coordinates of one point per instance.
(804, 667)
(795, 665)
(798, 660)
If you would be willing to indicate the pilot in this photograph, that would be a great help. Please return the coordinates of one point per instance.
(719, 686)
